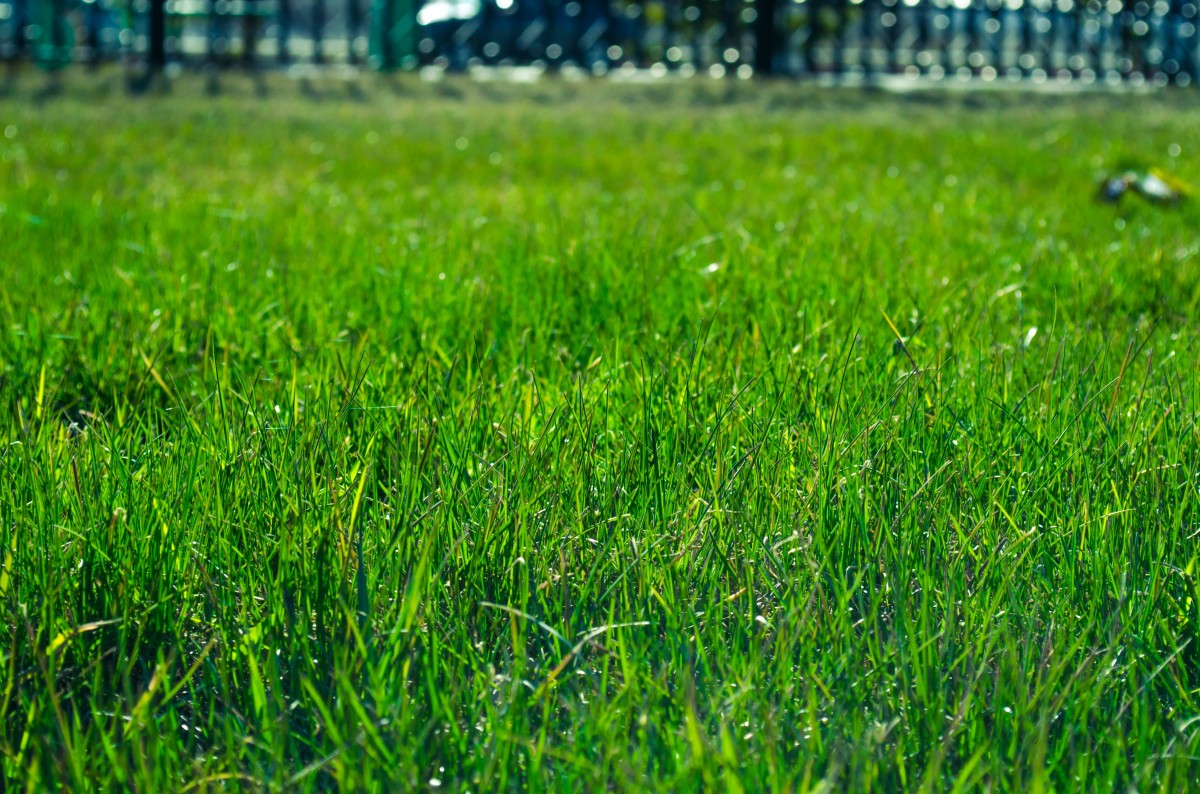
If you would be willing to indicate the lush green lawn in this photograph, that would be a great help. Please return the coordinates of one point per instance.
(560, 438)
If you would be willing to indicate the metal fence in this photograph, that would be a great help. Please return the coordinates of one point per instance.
(1104, 41)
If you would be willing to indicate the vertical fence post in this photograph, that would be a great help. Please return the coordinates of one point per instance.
(53, 38)
(383, 55)
(393, 33)
(866, 39)
(283, 30)
(158, 35)
(354, 29)
(318, 31)
(766, 36)
(19, 23)
(57, 34)
(211, 31)
(93, 34)
(812, 25)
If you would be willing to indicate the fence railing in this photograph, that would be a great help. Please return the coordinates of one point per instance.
(1104, 41)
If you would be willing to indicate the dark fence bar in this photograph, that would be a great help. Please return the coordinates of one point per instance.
(283, 30)
(157, 55)
(766, 36)
(1091, 41)
(355, 21)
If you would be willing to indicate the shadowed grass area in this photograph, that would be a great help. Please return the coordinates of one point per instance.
(569, 438)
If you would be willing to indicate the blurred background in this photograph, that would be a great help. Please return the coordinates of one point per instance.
(1152, 42)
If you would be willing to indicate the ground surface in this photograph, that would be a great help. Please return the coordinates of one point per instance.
(550, 437)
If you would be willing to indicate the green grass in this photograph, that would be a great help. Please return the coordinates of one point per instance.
(557, 438)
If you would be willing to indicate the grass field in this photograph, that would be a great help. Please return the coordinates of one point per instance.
(563, 438)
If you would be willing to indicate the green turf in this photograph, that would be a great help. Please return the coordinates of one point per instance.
(559, 438)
